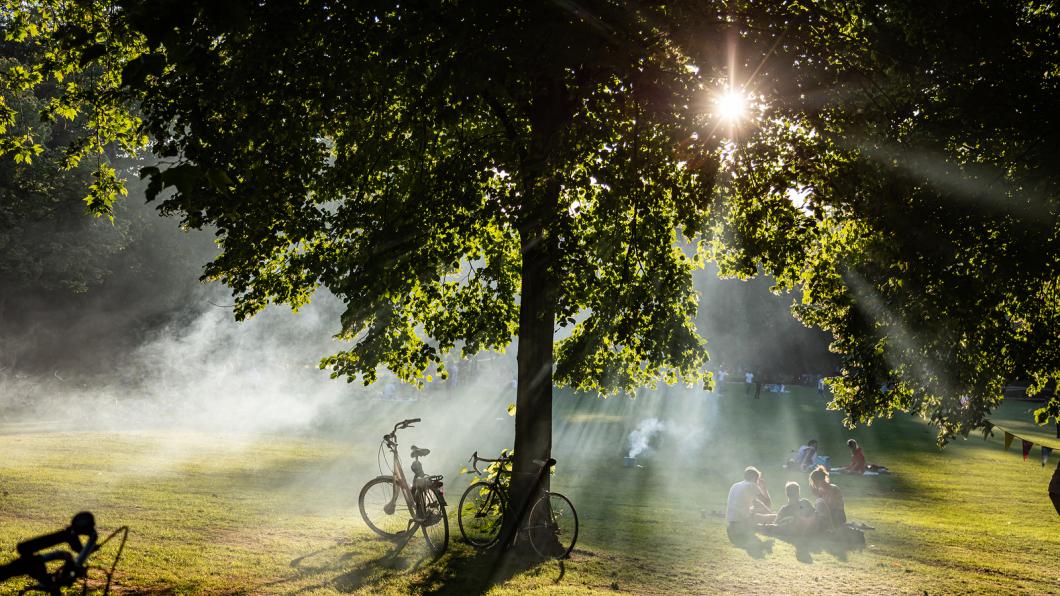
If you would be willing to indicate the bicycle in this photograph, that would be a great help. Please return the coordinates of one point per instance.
(74, 566)
(424, 500)
(552, 527)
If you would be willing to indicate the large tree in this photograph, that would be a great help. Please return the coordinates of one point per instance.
(905, 181)
(457, 173)
(463, 172)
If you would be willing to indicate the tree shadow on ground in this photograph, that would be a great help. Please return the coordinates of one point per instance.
(344, 567)
(475, 572)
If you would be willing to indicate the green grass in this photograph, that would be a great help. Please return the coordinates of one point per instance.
(277, 514)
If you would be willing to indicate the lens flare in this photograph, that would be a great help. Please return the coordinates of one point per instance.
(731, 105)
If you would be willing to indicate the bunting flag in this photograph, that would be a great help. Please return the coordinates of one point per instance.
(1047, 445)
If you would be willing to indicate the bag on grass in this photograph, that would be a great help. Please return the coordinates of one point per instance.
(851, 537)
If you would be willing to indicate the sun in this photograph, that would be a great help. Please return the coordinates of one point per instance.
(731, 105)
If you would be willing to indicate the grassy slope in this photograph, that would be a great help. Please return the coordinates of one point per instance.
(277, 514)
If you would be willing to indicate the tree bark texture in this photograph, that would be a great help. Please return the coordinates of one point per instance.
(533, 415)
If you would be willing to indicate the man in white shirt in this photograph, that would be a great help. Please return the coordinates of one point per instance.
(806, 458)
(740, 515)
(749, 381)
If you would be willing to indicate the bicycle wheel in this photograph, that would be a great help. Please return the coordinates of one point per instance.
(553, 526)
(383, 507)
(436, 523)
(481, 514)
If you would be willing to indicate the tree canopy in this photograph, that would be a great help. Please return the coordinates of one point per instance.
(462, 172)
(924, 233)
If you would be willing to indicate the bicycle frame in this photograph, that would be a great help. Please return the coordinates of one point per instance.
(422, 494)
(402, 482)
(501, 491)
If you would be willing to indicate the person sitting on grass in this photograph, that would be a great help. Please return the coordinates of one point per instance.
(857, 460)
(828, 495)
(797, 517)
(744, 512)
(805, 457)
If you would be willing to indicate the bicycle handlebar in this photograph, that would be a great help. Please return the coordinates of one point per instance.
(391, 437)
(404, 424)
(83, 524)
(475, 459)
(31, 564)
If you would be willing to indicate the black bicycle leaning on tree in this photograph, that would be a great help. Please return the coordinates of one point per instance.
(552, 525)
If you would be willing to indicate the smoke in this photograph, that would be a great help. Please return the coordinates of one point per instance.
(749, 328)
(640, 438)
(153, 350)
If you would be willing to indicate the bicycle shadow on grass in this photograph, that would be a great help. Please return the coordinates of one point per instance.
(348, 565)
(461, 570)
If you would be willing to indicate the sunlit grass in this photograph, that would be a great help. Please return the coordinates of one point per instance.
(278, 514)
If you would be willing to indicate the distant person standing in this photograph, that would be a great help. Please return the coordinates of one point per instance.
(749, 381)
(820, 386)
(1054, 488)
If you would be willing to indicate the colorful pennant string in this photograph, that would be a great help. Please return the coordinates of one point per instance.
(1027, 445)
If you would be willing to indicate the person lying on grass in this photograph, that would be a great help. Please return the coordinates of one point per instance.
(828, 495)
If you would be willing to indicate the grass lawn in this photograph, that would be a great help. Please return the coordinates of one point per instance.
(277, 513)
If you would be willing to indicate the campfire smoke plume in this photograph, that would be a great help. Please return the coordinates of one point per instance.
(641, 436)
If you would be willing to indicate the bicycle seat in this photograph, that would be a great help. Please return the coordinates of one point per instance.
(418, 452)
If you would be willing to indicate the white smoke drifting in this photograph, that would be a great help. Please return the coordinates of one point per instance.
(640, 438)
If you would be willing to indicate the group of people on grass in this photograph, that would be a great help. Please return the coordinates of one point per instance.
(806, 459)
(750, 509)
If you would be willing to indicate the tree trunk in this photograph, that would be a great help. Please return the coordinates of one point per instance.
(537, 307)
(533, 414)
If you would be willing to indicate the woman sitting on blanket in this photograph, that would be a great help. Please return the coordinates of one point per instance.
(857, 460)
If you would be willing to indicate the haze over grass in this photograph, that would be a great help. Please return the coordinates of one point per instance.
(276, 513)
